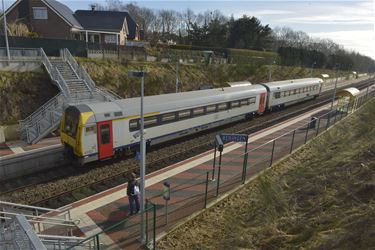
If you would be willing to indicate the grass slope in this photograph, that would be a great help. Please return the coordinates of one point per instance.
(161, 77)
(321, 197)
(21, 93)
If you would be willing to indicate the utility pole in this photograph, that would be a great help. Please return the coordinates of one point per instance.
(142, 171)
(270, 71)
(5, 32)
(143, 161)
(177, 80)
(312, 68)
(334, 91)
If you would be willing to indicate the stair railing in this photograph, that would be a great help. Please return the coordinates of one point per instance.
(107, 94)
(80, 71)
(30, 127)
(51, 104)
(55, 74)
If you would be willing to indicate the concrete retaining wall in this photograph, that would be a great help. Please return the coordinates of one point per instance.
(20, 66)
(13, 166)
(9, 133)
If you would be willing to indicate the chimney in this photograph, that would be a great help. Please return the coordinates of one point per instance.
(93, 7)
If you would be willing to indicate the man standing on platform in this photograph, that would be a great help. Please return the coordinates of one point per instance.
(133, 191)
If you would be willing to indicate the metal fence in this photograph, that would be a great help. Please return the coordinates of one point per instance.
(206, 183)
(234, 168)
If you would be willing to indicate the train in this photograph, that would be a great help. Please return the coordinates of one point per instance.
(102, 130)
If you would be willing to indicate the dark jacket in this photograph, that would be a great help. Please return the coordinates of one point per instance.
(130, 188)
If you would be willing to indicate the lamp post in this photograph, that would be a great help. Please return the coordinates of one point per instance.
(270, 71)
(312, 68)
(5, 31)
(177, 81)
(142, 171)
(334, 91)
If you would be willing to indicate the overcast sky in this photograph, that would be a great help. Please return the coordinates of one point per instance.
(350, 23)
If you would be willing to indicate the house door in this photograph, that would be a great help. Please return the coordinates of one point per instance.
(105, 140)
(262, 103)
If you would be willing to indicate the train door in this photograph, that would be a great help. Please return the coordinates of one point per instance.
(105, 139)
(262, 103)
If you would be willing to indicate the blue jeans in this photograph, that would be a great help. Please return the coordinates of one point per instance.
(133, 204)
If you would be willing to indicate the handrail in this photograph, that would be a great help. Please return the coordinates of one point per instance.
(55, 74)
(63, 86)
(43, 218)
(110, 92)
(51, 102)
(80, 71)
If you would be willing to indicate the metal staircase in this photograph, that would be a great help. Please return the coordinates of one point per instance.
(30, 227)
(76, 86)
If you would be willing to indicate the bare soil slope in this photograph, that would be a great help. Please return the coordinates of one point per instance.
(321, 197)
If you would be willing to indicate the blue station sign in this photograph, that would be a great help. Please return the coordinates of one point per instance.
(234, 138)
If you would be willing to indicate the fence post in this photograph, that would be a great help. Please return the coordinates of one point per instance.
(97, 242)
(244, 164)
(334, 121)
(214, 163)
(206, 191)
(291, 146)
(317, 129)
(218, 175)
(307, 132)
(146, 211)
(273, 148)
(154, 233)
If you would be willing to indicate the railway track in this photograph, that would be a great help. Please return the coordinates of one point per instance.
(118, 170)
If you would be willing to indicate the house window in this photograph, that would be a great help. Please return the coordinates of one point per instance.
(110, 39)
(40, 13)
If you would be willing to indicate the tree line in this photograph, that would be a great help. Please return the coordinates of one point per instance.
(214, 29)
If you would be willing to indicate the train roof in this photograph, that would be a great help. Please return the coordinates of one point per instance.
(176, 101)
(291, 84)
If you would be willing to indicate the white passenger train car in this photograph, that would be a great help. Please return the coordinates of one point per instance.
(285, 93)
(96, 131)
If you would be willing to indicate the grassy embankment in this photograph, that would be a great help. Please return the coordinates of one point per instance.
(22, 93)
(161, 76)
(321, 197)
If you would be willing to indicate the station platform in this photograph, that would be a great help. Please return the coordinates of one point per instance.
(187, 180)
(18, 147)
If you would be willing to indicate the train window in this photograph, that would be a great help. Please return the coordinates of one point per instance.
(290, 92)
(118, 113)
(107, 114)
(150, 121)
(222, 106)
(252, 100)
(244, 102)
(170, 117)
(294, 91)
(198, 111)
(184, 114)
(105, 134)
(235, 104)
(133, 124)
(90, 130)
(211, 109)
(71, 123)
(277, 95)
(285, 93)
